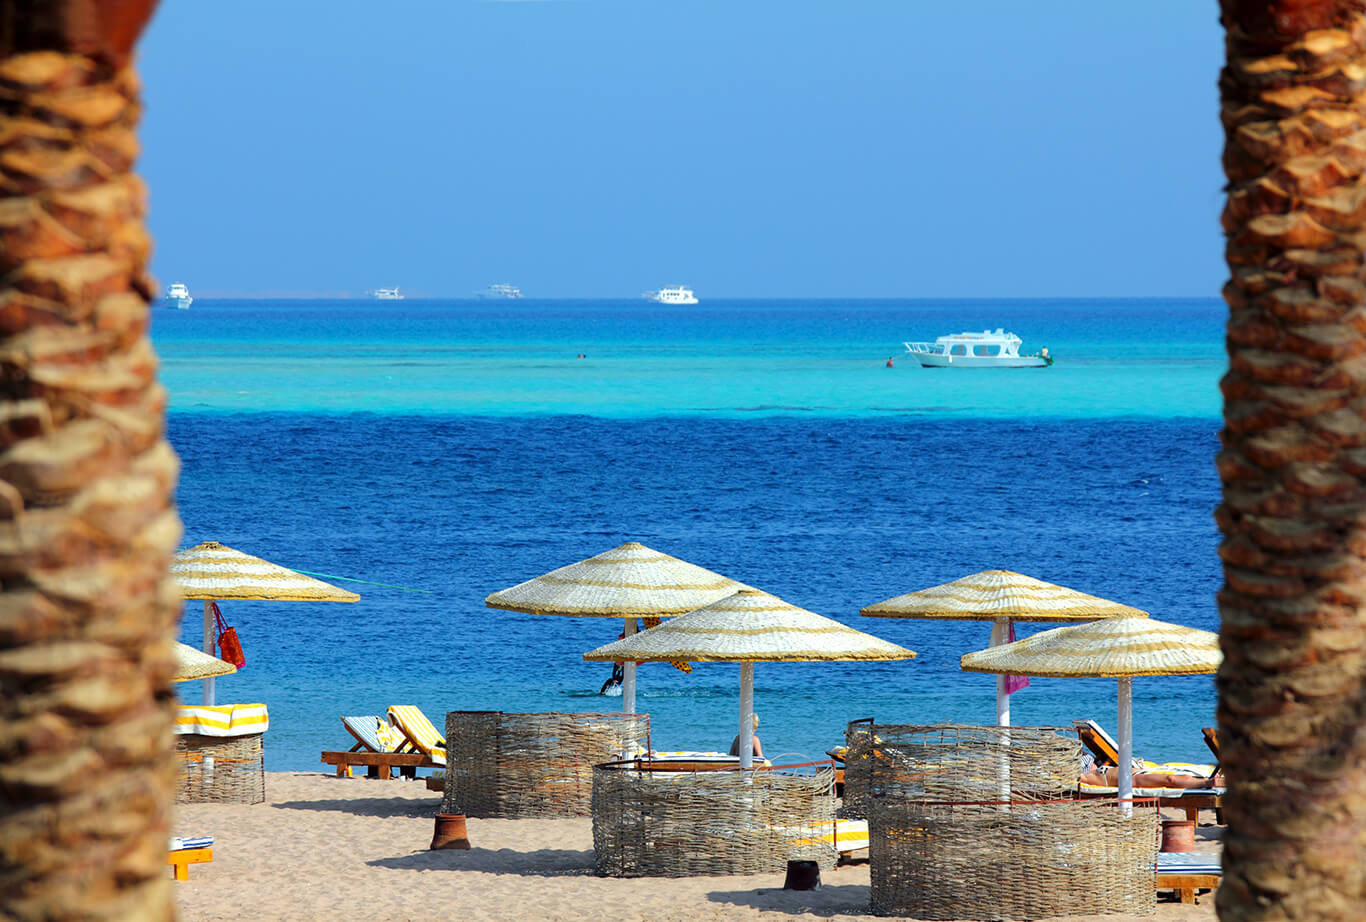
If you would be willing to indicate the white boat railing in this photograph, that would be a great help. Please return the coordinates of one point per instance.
(928, 348)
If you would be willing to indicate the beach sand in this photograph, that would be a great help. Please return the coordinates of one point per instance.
(327, 848)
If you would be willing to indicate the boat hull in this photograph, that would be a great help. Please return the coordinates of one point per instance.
(181, 303)
(979, 361)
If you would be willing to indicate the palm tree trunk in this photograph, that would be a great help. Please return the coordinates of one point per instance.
(87, 609)
(1292, 701)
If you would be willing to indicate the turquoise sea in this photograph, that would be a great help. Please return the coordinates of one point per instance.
(436, 451)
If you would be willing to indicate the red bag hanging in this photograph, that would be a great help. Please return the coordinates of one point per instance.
(229, 647)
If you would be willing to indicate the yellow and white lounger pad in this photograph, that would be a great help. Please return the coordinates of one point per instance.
(222, 719)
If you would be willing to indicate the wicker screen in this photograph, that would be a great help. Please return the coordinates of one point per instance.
(983, 823)
(220, 769)
(526, 765)
(680, 824)
(1020, 861)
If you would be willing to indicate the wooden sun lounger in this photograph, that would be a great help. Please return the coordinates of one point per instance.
(1188, 882)
(378, 764)
(1192, 800)
(1188, 886)
(181, 859)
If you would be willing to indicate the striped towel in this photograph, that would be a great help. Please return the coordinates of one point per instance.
(847, 836)
(180, 843)
(1194, 769)
(692, 755)
(222, 719)
(419, 731)
(373, 732)
(1190, 863)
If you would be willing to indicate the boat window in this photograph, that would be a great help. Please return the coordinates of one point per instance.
(986, 350)
(959, 350)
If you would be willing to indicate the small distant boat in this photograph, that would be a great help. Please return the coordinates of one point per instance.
(675, 295)
(986, 349)
(179, 296)
(387, 294)
(501, 291)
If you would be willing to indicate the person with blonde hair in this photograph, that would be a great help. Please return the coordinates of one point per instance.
(758, 748)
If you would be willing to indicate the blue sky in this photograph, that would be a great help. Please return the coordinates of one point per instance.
(600, 148)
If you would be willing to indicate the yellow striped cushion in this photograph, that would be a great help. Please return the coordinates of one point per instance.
(847, 836)
(222, 719)
(419, 730)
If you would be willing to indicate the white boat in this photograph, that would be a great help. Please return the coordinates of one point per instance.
(511, 292)
(387, 294)
(179, 295)
(986, 349)
(675, 295)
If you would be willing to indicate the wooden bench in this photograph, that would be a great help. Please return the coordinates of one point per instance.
(1192, 802)
(181, 859)
(378, 764)
(1187, 886)
(1188, 873)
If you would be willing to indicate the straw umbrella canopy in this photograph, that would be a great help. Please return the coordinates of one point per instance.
(212, 571)
(750, 627)
(1001, 596)
(192, 664)
(1118, 647)
(631, 581)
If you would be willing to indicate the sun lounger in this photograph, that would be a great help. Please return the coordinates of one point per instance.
(1211, 735)
(376, 748)
(1101, 744)
(1106, 752)
(1188, 872)
(847, 837)
(1191, 800)
(689, 760)
(185, 851)
(419, 734)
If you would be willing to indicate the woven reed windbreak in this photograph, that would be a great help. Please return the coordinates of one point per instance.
(982, 823)
(220, 769)
(950, 762)
(656, 823)
(858, 769)
(1029, 860)
(538, 764)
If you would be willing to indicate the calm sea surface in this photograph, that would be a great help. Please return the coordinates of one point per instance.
(455, 448)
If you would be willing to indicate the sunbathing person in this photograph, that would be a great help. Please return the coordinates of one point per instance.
(758, 747)
(1108, 776)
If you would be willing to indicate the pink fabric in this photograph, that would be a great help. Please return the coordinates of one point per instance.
(1014, 683)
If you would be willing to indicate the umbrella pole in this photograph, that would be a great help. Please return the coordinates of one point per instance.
(209, 625)
(1126, 745)
(628, 675)
(746, 715)
(1000, 633)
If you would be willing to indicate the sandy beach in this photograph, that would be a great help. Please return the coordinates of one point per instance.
(324, 848)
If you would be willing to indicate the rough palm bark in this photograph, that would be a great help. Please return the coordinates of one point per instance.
(1292, 700)
(86, 523)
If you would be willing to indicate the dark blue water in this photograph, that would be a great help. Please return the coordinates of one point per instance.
(831, 514)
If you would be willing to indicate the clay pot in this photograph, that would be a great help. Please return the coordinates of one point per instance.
(1178, 835)
(450, 831)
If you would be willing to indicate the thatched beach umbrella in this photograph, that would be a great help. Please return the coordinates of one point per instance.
(750, 627)
(192, 664)
(1117, 647)
(631, 581)
(212, 571)
(1000, 596)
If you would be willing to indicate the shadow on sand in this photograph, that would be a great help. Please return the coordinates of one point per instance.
(548, 862)
(837, 900)
(370, 806)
